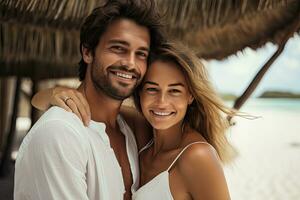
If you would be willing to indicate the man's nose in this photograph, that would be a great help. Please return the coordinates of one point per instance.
(129, 60)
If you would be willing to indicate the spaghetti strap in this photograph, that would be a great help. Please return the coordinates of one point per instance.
(146, 146)
(187, 146)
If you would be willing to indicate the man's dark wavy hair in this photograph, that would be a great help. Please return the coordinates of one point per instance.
(142, 12)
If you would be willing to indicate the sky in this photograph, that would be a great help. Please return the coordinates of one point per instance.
(234, 74)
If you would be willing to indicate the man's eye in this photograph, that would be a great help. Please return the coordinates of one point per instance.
(118, 48)
(142, 54)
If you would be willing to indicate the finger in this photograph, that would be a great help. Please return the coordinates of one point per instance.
(60, 103)
(86, 106)
(73, 103)
(68, 94)
(73, 107)
(80, 106)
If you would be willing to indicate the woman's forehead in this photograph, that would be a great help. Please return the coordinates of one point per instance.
(164, 70)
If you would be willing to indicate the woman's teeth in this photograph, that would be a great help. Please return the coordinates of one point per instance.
(162, 113)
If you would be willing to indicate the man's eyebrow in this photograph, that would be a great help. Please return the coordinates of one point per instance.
(150, 82)
(116, 41)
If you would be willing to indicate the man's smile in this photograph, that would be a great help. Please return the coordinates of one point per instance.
(124, 76)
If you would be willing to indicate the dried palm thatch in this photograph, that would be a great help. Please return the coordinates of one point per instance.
(218, 29)
(41, 37)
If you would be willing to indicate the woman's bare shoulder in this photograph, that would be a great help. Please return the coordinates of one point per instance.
(199, 152)
(200, 169)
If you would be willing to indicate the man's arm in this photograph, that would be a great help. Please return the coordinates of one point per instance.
(51, 164)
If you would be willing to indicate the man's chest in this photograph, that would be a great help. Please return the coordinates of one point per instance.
(118, 144)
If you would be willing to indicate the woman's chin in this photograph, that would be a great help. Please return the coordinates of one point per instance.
(161, 127)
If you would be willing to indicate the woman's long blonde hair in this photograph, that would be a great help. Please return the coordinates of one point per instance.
(207, 113)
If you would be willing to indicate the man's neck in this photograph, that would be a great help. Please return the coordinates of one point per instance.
(103, 108)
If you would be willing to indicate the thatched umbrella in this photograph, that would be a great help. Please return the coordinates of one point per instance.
(40, 39)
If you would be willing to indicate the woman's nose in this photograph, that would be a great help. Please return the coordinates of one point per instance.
(162, 100)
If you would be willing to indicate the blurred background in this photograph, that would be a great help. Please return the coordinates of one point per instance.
(251, 49)
(268, 163)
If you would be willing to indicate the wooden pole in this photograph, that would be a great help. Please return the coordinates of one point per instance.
(254, 83)
(294, 26)
(6, 87)
(2, 113)
(4, 165)
(34, 111)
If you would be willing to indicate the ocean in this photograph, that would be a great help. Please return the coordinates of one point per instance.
(269, 104)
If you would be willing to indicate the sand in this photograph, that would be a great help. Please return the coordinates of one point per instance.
(268, 165)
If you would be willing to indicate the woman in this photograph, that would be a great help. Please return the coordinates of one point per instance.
(182, 160)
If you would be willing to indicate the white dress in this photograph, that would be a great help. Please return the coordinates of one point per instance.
(159, 187)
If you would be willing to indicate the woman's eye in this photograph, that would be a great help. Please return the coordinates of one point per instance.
(151, 90)
(175, 91)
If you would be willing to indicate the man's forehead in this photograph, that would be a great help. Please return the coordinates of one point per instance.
(127, 31)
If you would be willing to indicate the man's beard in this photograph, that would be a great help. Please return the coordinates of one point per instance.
(102, 82)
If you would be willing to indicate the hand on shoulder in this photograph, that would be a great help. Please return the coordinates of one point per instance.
(69, 99)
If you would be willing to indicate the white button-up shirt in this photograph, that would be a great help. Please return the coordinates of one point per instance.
(60, 158)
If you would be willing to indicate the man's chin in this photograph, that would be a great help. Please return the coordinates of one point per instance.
(120, 94)
(119, 97)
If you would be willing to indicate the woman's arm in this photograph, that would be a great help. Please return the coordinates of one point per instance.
(137, 122)
(202, 173)
(76, 102)
(41, 100)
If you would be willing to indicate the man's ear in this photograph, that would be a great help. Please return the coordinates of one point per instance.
(87, 55)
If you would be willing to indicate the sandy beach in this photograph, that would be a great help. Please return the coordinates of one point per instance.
(268, 165)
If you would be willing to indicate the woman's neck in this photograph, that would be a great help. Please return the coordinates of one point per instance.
(168, 139)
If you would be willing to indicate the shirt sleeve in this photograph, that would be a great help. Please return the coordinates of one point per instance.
(52, 165)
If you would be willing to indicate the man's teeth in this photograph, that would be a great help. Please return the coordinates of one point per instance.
(162, 113)
(124, 75)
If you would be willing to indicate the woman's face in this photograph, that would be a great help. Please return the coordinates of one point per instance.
(164, 96)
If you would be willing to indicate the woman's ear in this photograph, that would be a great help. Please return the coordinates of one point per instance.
(191, 99)
(87, 55)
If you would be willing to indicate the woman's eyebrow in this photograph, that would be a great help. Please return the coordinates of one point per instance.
(176, 84)
(150, 82)
(170, 85)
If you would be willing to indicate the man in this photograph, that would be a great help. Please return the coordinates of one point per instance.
(60, 158)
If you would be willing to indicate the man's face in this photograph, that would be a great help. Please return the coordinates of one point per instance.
(120, 59)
